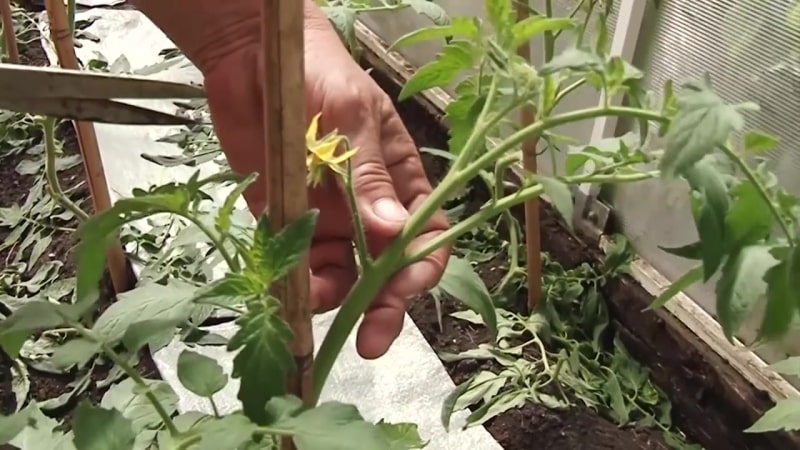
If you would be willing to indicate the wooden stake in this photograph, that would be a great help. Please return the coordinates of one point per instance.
(532, 230)
(61, 35)
(8, 31)
(284, 125)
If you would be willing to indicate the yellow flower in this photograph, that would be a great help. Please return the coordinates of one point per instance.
(322, 153)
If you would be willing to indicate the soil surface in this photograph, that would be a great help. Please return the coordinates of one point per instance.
(533, 426)
(13, 190)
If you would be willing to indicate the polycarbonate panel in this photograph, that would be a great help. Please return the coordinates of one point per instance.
(752, 51)
(394, 24)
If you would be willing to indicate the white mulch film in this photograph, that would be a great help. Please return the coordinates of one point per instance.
(408, 384)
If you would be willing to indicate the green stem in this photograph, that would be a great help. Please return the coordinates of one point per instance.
(566, 91)
(762, 191)
(549, 38)
(572, 15)
(372, 280)
(545, 123)
(218, 241)
(131, 372)
(51, 173)
(361, 239)
(510, 201)
(71, 15)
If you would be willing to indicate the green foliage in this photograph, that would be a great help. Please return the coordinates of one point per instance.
(746, 226)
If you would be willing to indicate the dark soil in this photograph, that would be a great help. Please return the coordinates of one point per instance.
(13, 190)
(533, 426)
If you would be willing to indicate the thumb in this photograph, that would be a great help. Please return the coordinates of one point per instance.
(381, 211)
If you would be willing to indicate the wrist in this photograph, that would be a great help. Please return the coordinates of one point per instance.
(208, 30)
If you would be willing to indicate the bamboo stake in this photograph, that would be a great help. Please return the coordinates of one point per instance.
(62, 36)
(8, 31)
(284, 125)
(533, 244)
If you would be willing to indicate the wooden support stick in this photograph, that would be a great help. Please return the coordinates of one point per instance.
(61, 34)
(532, 234)
(284, 125)
(8, 32)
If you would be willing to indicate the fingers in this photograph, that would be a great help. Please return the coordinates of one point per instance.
(382, 212)
(383, 321)
(333, 273)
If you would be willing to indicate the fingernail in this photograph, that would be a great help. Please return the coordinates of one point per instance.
(389, 210)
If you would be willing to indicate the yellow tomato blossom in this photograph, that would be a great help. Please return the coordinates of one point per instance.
(322, 153)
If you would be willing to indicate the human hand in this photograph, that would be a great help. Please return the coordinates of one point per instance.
(388, 174)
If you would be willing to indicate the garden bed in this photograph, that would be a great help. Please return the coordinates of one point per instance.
(37, 239)
(710, 401)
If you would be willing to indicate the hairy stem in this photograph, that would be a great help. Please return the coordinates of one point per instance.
(131, 372)
(510, 201)
(217, 241)
(393, 258)
(51, 174)
(361, 239)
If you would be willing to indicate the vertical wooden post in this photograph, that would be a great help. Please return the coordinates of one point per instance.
(8, 31)
(284, 125)
(62, 37)
(532, 231)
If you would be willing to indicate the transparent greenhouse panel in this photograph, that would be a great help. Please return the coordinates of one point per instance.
(752, 52)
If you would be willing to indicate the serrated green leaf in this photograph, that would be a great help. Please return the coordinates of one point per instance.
(401, 436)
(36, 315)
(273, 255)
(750, 217)
(11, 426)
(785, 415)
(788, 366)
(75, 352)
(689, 278)
(147, 302)
(329, 426)
(102, 429)
(501, 13)
(95, 234)
(223, 222)
(226, 433)
(262, 341)
(741, 286)
(759, 142)
(702, 123)
(462, 283)
(440, 72)
(200, 374)
(232, 290)
(343, 20)
(560, 195)
(783, 284)
(572, 59)
(459, 27)
(129, 399)
(146, 332)
(526, 29)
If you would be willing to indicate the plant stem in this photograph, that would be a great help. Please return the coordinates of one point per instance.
(218, 241)
(549, 37)
(509, 201)
(8, 31)
(762, 190)
(131, 372)
(214, 407)
(71, 15)
(371, 281)
(51, 174)
(361, 239)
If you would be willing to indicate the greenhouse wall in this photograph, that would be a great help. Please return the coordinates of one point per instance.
(751, 51)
